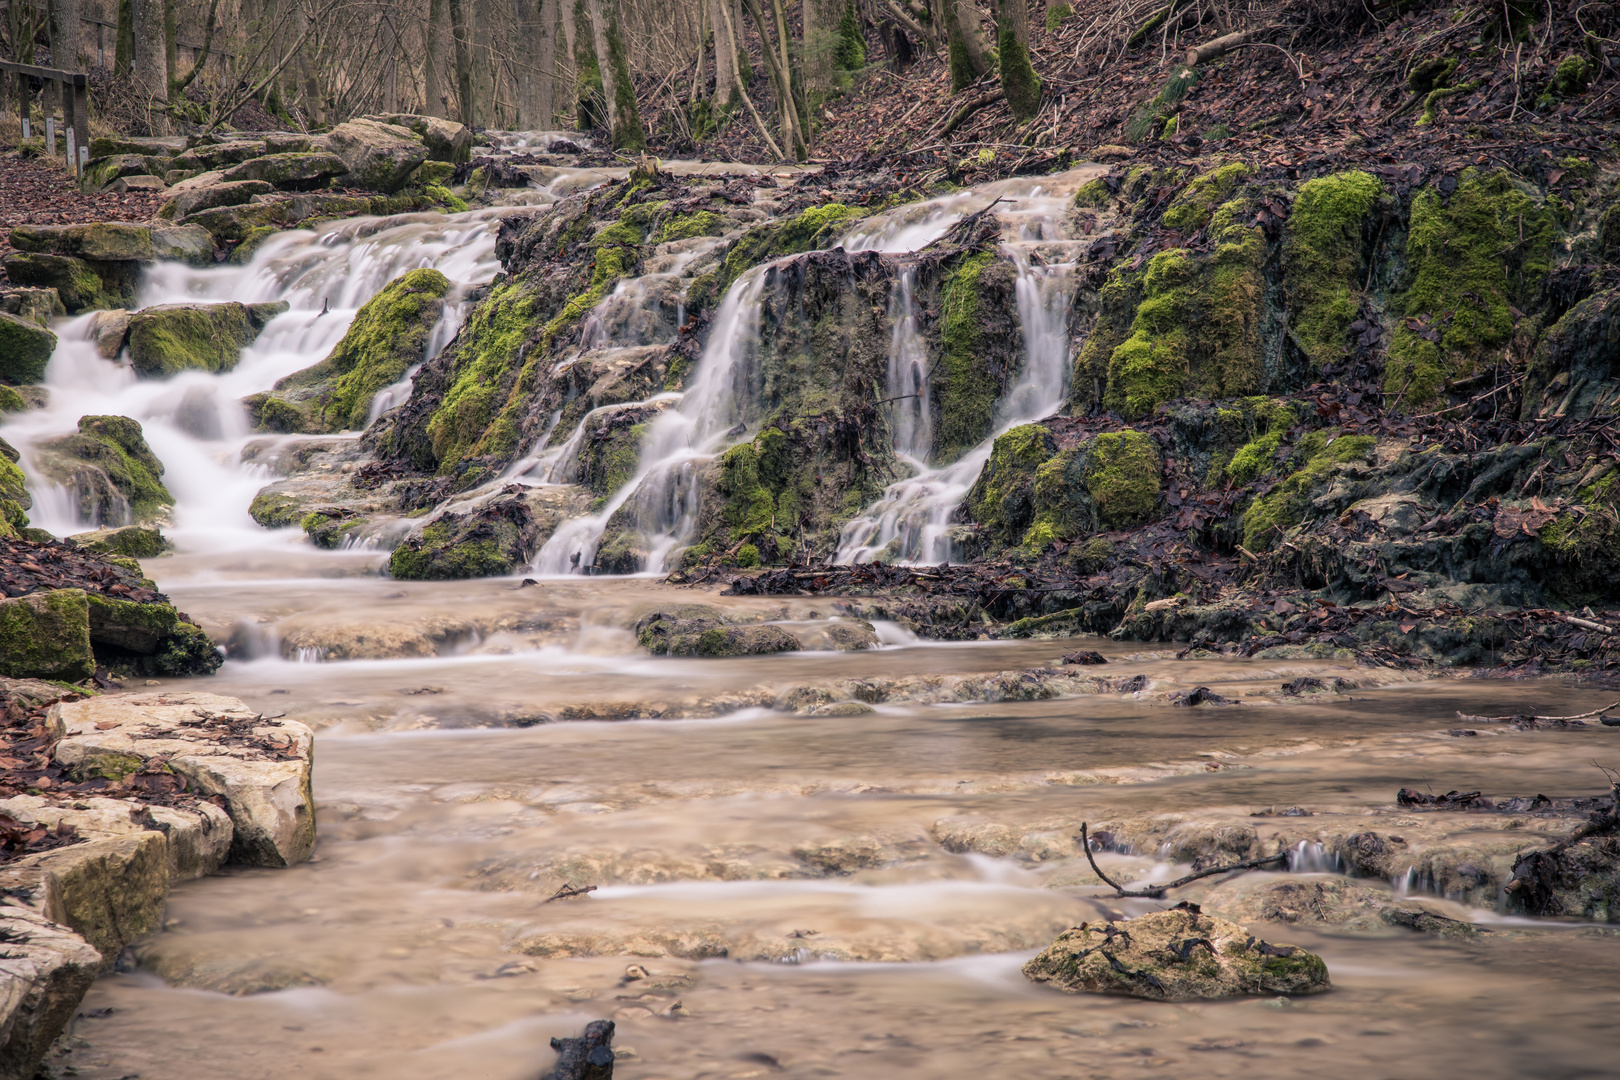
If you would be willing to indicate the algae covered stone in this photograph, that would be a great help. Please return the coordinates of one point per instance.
(1175, 955)
(111, 472)
(294, 171)
(25, 349)
(666, 634)
(46, 635)
(171, 338)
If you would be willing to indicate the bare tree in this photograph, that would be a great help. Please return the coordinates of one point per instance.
(150, 69)
(618, 88)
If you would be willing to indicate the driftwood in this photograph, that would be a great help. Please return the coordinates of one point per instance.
(1156, 892)
(966, 111)
(568, 891)
(588, 1057)
(1546, 719)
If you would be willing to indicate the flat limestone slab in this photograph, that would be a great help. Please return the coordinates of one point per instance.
(261, 767)
(199, 837)
(45, 970)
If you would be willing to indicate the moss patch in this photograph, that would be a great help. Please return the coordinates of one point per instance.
(1270, 516)
(1323, 269)
(966, 387)
(1124, 477)
(46, 635)
(1003, 496)
(1193, 208)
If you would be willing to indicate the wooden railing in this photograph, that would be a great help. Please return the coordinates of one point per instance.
(74, 93)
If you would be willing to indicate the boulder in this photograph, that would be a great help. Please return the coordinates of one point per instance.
(171, 338)
(446, 140)
(109, 888)
(666, 635)
(34, 304)
(219, 746)
(25, 349)
(1176, 955)
(495, 538)
(296, 171)
(388, 335)
(81, 284)
(46, 635)
(110, 331)
(136, 183)
(43, 977)
(220, 155)
(1331, 903)
(132, 541)
(100, 172)
(125, 624)
(114, 476)
(197, 837)
(208, 196)
(378, 156)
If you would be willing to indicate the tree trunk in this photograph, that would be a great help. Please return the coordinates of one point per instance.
(618, 88)
(526, 17)
(149, 70)
(699, 80)
(463, 48)
(792, 137)
(725, 57)
(436, 103)
(485, 71)
(820, 47)
(171, 44)
(124, 50)
(545, 98)
(1018, 79)
(970, 54)
(591, 112)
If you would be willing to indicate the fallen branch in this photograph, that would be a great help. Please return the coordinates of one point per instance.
(1578, 716)
(568, 891)
(968, 110)
(1156, 892)
(1209, 50)
(1587, 624)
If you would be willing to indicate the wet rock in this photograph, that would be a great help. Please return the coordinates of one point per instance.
(1085, 656)
(81, 284)
(665, 635)
(221, 964)
(1207, 844)
(496, 538)
(116, 241)
(291, 172)
(1333, 903)
(841, 635)
(1372, 855)
(109, 889)
(45, 975)
(388, 335)
(1201, 695)
(220, 746)
(35, 305)
(111, 471)
(1175, 955)
(446, 140)
(46, 635)
(845, 855)
(378, 156)
(25, 349)
(197, 836)
(589, 1057)
(110, 331)
(171, 338)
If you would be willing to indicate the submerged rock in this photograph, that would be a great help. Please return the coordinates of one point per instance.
(1331, 903)
(1175, 955)
(171, 338)
(666, 635)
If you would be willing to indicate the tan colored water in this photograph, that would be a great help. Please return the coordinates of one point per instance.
(808, 851)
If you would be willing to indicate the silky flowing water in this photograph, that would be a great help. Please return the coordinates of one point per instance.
(455, 797)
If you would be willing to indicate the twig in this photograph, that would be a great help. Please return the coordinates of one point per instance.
(568, 891)
(1156, 892)
(1577, 716)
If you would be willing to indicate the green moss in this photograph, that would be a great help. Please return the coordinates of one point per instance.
(445, 553)
(747, 556)
(1431, 104)
(388, 335)
(169, 339)
(25, 349)
(1269, 517)
(1093, 193)
(686, 226)
(484, 376)
(243, 253)
(1018, 79)
(46, 635)
(809, 230)
(1470, 260)
(1153, 364)
(446, 198)
(750, 508)
(591, 112)
(1254, 458)
(1572, 76)
(1322, 260)
(967, 401)
(1195, 205)
(115, 445)
(1124, 477)
(274, 510)
(11, 400)
(849, 54)
(1003, 496)
(1055, 16)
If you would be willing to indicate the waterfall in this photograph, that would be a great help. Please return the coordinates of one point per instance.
(911, 522)
(193, 421)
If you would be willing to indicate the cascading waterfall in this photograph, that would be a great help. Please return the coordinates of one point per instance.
(193, 421)
(911, 522)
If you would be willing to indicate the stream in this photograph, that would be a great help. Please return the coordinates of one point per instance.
(776, 894)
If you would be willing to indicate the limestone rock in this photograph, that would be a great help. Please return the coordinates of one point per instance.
(151, 146)
(210, 156)
(25, 349)
(117, 241)
(170, 338)
(198, 838)
(1333, 903)
(222, 192)
(46, 635)
(110, 330)
(446, 140)
(840, 635)
(127, 625)
(378, 156)
(663, 635)
(45, 973)
(100, 173)
(136, 183)
(260, 767)
(109, 468)
(109, 889)
(34, 304)
(1175, 955)
(81, 284)
(132, 541)
(296, 171)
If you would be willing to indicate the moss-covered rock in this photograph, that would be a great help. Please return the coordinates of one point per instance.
(1176, 955)
(1003, 496)
(290, 172)
(126, 624)
(1271, 515)
(82, 285)
(113, 475)
(980, 346)
(25, 349)
(446, 140)
(132, 541)
(1471, 261)
(117, 241)
(1193, 207)
(1124, 477)
(378, 156)
(1323, 266)
(32, 304)
(170, 338)
(46, 635)
(389, 334)
(666, 634)
(275, 509)
(500, 537)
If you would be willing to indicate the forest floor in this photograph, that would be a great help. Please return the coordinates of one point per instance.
(34, 192)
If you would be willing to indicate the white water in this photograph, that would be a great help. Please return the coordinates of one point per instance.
(911, 522)
(194, 422)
